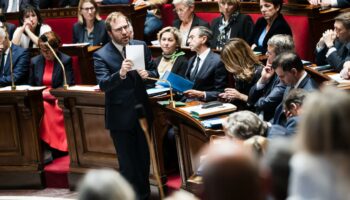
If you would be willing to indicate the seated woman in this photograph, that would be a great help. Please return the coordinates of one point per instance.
(89, 28)
(31, 27)
(271, 23)
(172, 58)
(46, 71)
(230, 24)
(187, 19)
(240, 60)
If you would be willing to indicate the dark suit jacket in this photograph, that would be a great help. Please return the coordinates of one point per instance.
(106, 2)
(307, 84)
(279, 26)
(268, 98)
(241, 27)
(179, 67)
(4, 4)
(211, 78)
(195, 22)
(20, 60)
(100, 33)
(10, 29)
(244, 87)
(343, 3)
(37, 69)
(337, 58)
(121, 95)
(288, 129)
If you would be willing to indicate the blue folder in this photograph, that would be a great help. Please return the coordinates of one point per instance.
(178, 83)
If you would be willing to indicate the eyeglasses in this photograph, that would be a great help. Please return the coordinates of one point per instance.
(89, 8)
(120, 29)
(181, 10)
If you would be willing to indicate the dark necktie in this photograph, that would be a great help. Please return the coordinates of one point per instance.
(195, 70)
(2, 62)
(124, 52)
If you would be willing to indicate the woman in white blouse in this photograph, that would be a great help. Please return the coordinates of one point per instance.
(30, 29)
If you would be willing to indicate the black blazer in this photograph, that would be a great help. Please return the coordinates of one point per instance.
(268, 98)
(10, 29)
(195, 22)
(179, 67)
(337, 58)
(241, 27)
(37, 69)
(211, 78)
(100, 33)
(121, 95)
(279, 26)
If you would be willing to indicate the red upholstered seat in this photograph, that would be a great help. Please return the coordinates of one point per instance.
(63, 27)
(168, 15)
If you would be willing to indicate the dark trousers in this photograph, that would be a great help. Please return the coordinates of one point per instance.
(134, 159)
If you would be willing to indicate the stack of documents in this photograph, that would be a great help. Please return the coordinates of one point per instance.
(199, 112)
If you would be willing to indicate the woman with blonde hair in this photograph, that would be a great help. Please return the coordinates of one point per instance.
(172, 58)
(245, 67)
(89, 28)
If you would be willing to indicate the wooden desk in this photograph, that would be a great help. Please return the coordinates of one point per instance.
(21, 162)
(190, 136)
(89, 143)
(320, 77)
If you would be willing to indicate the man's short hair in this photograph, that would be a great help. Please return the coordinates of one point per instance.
(245, 124)
(204, 31)
(105, 184)
(281, 43)
(344, 18)
(287, 61)
(295, 96)
(113, 16)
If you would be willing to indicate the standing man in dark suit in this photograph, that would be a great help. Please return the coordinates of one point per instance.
(334, 45)
(20, 60)
(16, 5)
(205, 69)
(290, 71)
(124, 88)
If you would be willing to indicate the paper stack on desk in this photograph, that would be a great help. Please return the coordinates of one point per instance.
(199, 112)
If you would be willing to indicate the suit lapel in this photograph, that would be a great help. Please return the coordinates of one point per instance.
(40, 70)
(56, 73)
(205, 66)
(189, 68)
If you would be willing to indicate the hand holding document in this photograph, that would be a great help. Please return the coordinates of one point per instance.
(136, 54)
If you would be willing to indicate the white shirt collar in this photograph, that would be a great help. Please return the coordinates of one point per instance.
(301, 79)
(118, 46)
(203, 55)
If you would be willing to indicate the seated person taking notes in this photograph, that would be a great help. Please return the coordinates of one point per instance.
(205, 69)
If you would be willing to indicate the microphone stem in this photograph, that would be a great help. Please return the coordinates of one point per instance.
(172, 102)
(65, 85)
(13, 86)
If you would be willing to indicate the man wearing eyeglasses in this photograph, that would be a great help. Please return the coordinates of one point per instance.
(124, 88)
(20, 61)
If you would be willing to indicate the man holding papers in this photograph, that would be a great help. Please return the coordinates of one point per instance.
(205, 69)
(124, 88)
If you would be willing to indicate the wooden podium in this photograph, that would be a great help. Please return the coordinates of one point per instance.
(89, 143)
(190, 136)
(21, 162)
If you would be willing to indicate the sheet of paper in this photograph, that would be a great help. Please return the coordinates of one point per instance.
(137, 55)
(340, 80)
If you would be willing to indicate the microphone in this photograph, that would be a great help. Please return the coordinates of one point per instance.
(13, 86)
(172, 102)
(140, 111)
(46, 41)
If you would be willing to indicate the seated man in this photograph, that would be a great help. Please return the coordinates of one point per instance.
(16, 5)
(292, 109)
(334, 46)
(205, 69)
(290, 70)
(267, 94)
(20, 62)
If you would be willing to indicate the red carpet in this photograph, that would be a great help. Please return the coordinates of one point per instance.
(56, 173)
